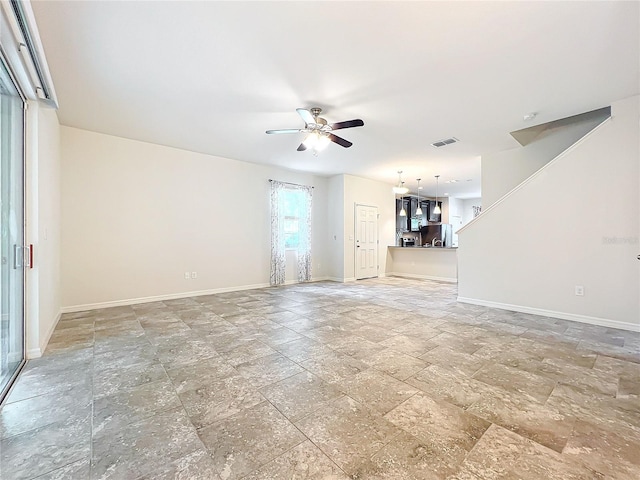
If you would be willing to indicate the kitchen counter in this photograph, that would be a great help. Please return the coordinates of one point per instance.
(430, 263)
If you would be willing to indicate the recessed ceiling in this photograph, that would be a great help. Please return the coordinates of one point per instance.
(212, 76)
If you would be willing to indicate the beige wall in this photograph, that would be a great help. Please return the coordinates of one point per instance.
(503, 171)
(425, 263)
(345, 191)
(137, 216)
(574, 223)
(335, 214)
(47, 256)
(363, 191)
(43, 226)
(467, 209)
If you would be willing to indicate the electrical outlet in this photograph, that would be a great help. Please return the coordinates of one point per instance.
(579, 290)
(186, 276)
(194, 275)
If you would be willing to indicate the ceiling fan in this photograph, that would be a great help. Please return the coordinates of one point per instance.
(318, 130)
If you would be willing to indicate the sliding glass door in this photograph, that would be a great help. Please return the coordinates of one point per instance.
(11, 230)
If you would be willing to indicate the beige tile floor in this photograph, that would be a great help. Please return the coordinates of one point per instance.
(379, 379)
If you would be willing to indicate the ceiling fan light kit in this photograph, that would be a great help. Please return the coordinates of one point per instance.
(317, 141)
(318, 130)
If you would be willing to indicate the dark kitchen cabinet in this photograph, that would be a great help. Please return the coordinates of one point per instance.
(413, 222)
(424, 205)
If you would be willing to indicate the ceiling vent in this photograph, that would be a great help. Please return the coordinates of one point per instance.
(446, 141)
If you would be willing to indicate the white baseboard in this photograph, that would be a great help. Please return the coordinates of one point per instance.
(341, 279)
(173, 296)
(158, 298)
(314, 279)
(33, 353)
(603, 322)
(423, 277)
(44, 341)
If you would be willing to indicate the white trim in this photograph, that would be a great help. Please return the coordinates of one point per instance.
(157, 298)
(313, 279)
(37, 352)
(423, 277)
(341, 279)
(515, 189)
(336, 279)
(318, 279)
(603, 322)
(173, 296)
(34, 353)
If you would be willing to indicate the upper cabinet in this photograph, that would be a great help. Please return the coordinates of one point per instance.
(412, 222)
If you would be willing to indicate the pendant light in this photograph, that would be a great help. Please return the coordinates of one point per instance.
(403, 212)
(400, 188)
(437, 211)
(419, 210)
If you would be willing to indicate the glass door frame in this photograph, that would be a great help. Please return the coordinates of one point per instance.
(13, 78)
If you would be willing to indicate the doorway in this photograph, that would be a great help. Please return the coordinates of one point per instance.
(12, 255)
(366, 241)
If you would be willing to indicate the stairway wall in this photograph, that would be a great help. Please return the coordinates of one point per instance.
(574, 222)
(502, 171)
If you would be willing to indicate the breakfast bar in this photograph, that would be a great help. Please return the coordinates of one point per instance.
(431, 263)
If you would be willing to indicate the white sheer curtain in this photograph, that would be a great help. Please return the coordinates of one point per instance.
(278, 249)
(304, 230)
(290, 203)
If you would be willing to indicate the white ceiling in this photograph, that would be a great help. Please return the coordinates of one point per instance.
(213, 76)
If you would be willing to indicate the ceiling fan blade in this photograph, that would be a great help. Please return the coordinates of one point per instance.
(306, 115)
(286, 130)
(302, 147)
(340, 141)
(347, 124)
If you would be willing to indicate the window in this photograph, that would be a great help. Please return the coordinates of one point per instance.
(290, 229)
(293, 204)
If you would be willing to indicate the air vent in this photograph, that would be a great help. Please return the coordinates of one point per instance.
(444, 142)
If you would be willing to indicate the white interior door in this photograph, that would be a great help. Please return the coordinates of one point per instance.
(366, 241)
